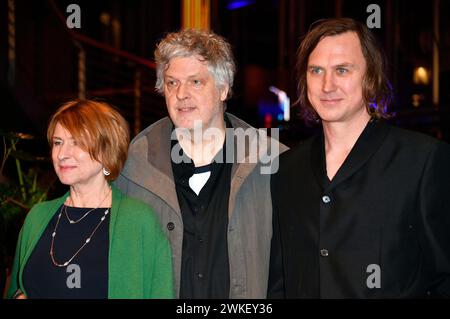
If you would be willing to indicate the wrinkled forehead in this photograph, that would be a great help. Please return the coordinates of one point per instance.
(189, 66)
(186, 60)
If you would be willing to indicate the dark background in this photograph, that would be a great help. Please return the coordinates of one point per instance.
(117, 38)
(264, 35)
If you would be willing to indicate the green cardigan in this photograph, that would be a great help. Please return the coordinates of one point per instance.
(140, 263)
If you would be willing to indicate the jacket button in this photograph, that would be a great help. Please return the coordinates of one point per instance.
(324, 252)
(170, 226)
(326, 199)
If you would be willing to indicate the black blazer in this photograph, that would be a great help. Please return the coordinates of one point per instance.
(379, 229)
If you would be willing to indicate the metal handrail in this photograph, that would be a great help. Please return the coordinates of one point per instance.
(116, 75)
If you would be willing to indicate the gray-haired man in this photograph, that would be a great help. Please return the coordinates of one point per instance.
(210, 189)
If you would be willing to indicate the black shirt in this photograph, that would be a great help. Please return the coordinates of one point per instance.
(87, 275)
(204, 265)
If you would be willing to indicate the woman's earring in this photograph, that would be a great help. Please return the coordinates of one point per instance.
(105, 172)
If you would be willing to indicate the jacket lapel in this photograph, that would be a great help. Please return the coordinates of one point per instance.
(47, 210)
(115, 208)
(365, 147)
(154, 171)
(50, 210)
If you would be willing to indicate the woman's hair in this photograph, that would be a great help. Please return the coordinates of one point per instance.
(377, 91)
(98, 129)
(206, 46)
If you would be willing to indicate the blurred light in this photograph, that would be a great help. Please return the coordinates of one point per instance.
(283, 99)
(25, 136)
(421, 76)
(237, 4)
(268, 120)
(416, 99)
(105, 18)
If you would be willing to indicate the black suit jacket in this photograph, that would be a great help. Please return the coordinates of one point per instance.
(379, 229)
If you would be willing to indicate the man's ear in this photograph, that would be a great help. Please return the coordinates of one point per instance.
(224, 92)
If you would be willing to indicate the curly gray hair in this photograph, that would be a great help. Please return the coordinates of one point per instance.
(208, 46)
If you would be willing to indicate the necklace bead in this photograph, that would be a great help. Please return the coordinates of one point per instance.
(52, 253)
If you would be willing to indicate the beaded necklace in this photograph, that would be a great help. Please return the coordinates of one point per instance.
(52, 253)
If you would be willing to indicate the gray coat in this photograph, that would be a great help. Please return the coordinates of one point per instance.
(147, 175)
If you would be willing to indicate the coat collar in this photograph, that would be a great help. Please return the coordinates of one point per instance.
(149, 163)
(154, 171)
(365, 147)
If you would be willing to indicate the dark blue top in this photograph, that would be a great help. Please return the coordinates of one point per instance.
(87, 274)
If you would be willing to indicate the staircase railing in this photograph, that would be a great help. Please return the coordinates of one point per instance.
(119, 77)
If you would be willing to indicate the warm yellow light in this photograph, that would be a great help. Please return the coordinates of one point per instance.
(416, 100)
(195, 14)
(421, 76)
(105, 18)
